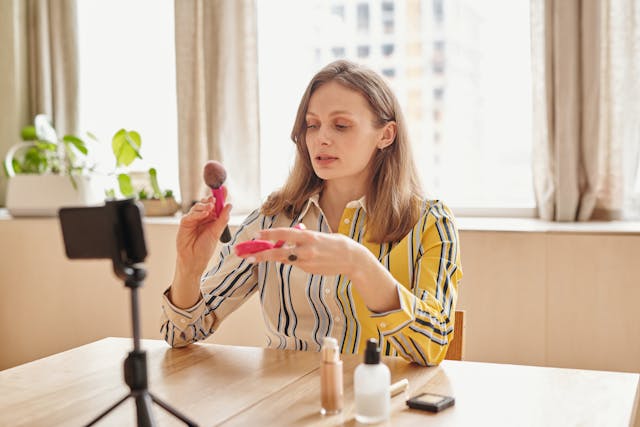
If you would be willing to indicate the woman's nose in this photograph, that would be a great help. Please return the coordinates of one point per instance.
(323, 136)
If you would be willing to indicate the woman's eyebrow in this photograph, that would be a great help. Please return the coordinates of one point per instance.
(333, 113)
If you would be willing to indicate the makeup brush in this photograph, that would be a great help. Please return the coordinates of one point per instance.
(214, 177)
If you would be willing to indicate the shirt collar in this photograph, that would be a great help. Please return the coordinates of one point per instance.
(315, 200)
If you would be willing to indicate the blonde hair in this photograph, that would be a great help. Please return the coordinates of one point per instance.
(394, 195)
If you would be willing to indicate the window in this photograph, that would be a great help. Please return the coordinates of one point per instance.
(337, 52)
(363, 16)
(338, 11)
(388, 22)
(363, 51)
(388, 72)
(387, 50)
(470, 125)
(127, 80)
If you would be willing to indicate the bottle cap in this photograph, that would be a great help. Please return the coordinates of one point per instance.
(330, 352)
(372, 353)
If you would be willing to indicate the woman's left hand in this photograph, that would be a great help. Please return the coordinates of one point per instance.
(312, 251)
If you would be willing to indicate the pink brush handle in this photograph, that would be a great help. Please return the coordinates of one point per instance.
(218, 194)
(253, 246)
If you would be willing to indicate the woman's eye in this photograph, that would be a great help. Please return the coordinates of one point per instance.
(311, 126)
(341, 126)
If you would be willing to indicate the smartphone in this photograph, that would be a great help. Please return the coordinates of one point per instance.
(431, 402)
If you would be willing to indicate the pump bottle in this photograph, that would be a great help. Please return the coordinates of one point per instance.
(371, 383)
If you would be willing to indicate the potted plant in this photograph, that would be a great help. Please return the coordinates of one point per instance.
(46, 172)
(126, 149)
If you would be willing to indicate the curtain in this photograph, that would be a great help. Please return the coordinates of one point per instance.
(38, 68)
(53, 62)
(216, 71)
(583, 93)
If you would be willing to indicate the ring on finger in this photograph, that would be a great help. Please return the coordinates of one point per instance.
(292, 255)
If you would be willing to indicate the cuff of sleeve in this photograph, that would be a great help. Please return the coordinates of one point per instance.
(182, 318)
(391, 322)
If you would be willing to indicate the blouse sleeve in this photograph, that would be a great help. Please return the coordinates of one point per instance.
(230, 282)
(422, 328)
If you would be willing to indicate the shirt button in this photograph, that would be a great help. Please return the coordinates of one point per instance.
(347, 220)
(327, 290)
(383, 325)
(183, 320)
(338, 319)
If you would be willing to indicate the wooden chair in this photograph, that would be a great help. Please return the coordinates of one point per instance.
(456, 347)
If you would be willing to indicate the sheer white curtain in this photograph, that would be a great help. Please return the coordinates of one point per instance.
(217, 84)
(585, 74)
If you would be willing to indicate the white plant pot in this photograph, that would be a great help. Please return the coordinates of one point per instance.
(43, 195)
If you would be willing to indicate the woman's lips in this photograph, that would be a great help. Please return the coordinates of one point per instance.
(325, 160)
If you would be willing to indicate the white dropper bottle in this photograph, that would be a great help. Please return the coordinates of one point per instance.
(371, 382)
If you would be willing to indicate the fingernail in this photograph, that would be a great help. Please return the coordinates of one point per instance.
(251, 259)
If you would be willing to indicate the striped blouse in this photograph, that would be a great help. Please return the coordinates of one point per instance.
(299, 309)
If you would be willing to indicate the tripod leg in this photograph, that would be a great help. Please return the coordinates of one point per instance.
(173, 411)
(143, 410)
(111, 408)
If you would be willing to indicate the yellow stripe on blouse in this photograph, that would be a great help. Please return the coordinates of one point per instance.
(299, 309)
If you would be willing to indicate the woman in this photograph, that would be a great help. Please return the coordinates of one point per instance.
(376, 260)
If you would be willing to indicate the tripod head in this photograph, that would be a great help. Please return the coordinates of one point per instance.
(113, 231)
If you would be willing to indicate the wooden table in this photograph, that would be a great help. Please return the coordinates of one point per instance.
(243, 386)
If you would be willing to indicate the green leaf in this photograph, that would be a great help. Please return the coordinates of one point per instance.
(73, 182)
(110, 194)
(153, 178)
(126, 188)
(29, 133)
(92, 136)
(35, 161)
(46, 145)
(126, 147)
(76, 142)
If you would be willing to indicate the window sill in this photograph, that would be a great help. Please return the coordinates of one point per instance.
(465, 223)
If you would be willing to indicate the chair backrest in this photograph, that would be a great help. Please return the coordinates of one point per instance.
(456, 346)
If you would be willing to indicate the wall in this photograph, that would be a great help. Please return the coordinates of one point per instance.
(566, 299)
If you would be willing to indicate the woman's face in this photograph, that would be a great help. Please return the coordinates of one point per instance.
(341, 137)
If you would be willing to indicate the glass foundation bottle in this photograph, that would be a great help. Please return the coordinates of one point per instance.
(331, 387)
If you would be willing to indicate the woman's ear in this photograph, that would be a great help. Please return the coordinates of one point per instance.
(388, 135)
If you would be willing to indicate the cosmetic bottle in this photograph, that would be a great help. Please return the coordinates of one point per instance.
(331, 387)
(371, 384)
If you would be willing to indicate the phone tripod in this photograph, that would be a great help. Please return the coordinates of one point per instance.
(135, 365)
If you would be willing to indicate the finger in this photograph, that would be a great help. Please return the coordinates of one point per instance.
(289, 235)
(202, 207)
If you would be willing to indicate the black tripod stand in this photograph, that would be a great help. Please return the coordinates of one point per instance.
(114, 231)
(135, 365)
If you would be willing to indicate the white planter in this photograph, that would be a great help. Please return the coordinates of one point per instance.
(43, 195)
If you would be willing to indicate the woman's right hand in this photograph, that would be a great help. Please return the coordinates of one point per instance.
(198, 235)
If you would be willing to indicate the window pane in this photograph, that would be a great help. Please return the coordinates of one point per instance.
(127, 80)
(461, 71)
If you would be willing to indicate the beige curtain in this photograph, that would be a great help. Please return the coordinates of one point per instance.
(38, 68)
(581, 88)
(217, 88)
(53, 61)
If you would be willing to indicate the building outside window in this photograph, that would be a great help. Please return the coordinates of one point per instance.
(470, 127)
